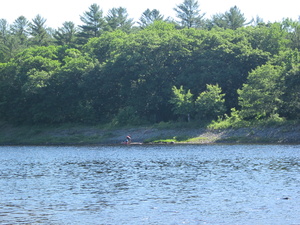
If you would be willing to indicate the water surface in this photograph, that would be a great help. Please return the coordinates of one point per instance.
(178, 184)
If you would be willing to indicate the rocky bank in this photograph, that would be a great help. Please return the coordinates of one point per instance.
(273, 135)
(93, 135)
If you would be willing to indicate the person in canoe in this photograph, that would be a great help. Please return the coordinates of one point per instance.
(128, 140)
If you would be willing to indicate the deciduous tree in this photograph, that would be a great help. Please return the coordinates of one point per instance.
(182, 101)
(261, 95)
(210, 103)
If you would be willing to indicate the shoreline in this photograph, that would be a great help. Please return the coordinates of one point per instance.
(287, 134)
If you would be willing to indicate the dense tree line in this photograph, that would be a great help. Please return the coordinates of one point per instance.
(109, 70)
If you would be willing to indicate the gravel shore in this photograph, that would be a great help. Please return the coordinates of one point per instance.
(274, 135)
(93, 135)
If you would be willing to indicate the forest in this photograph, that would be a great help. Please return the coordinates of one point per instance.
(114, 70)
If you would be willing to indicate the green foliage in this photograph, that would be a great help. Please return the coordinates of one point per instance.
(67, 34)
(236, 121)
(107, 47)
(293, 32)
(189, 14)
(210, 103)
(269, 38)
(117, 19)
(8, 42)
(20, 28)
(182, 101)
(107, 71)
(232, 19)
(291, 62)
(232, 121)
(38, 30)
(93, 23)
(127, 116)
(176, 139)
(150, 16)
(261, 96)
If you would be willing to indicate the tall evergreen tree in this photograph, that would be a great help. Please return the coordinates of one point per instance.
(4, 40)
(235, 18)
(4, 31)
(8, 42)
(231, 19)
(66, 35)
(189, 14)
(20, 28)
(117, 18)
(39, 33)
(217, 20)
(93, 23)
(149, 16)
(258, 21)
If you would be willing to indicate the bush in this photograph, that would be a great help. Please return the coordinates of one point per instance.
(210, 104)
(226, 121)
(127, 116)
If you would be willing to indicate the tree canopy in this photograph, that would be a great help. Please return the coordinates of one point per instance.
(110, 70)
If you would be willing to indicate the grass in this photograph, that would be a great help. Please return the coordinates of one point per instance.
(166, 139)
(176, 139)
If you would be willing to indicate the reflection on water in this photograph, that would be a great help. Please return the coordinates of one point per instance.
(150, 185)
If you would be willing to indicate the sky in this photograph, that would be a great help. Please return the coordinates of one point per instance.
(56, 12)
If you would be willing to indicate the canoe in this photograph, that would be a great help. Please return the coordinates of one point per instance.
(132, 143)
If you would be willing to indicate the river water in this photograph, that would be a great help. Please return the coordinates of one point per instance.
(174, 184)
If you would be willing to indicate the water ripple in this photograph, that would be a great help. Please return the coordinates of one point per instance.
(150, 185)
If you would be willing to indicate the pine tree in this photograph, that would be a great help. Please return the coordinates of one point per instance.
(149, 16)
(94, 23)
(189, 14)
(38, 31)
(117, 18)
